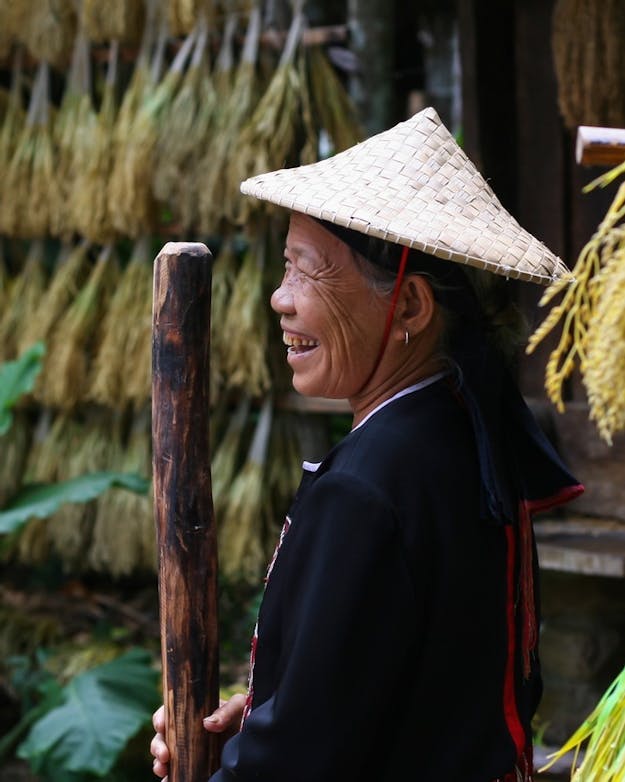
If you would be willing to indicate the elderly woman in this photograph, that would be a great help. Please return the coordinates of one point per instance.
(398, 629)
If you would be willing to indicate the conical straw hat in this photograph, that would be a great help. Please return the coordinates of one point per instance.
(413, 185)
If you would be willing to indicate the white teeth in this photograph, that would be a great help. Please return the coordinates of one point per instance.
(298, 342)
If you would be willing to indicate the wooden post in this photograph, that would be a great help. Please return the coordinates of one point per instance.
(183, 506)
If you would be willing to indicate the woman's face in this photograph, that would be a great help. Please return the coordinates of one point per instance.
(332, 321)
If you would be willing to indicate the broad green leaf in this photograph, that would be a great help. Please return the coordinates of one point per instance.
(103, 709)
(18, 378)
(42, 500)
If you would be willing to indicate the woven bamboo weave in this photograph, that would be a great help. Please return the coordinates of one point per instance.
(414, 185)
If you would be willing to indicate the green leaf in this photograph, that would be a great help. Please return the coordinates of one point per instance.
(42, 500)
(18, 378)
(103, 709)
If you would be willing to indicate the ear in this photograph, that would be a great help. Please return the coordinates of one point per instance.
(416, 307)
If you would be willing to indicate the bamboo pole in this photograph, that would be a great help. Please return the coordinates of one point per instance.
(183, 506)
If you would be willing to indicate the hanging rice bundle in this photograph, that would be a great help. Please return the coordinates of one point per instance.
(225, 271)
(228, 456)
(76, 337)
(183, 15)
(88, 199)
(246, 325)
(131, 200)
(602, 734)
(580, 293)
(53, 441)
(268, 140)
(285, 461)
(12, 14)
(115, 20)
(13, 120)
(309, 153)
(589, 60)
(70, 272)
(48, 28)
(14, 446)
(30, 194)
(182, 135)
(604, 368)
(74, 126)
(69, 530)
(241, 539)
(22, 302)
(123, 532)
(219, 197)
(332, 106)
(121, 371)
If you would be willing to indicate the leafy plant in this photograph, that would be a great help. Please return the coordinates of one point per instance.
(16, 379)
(88, 722)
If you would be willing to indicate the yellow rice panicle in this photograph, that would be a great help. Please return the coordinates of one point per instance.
(114, 20)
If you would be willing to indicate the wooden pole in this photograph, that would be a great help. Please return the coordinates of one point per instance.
(183, 505)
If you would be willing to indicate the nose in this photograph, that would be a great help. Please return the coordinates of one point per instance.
(282, 300)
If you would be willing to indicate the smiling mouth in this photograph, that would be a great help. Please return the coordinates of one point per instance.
(298, 344)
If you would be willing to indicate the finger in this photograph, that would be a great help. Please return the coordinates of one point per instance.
(228, 713)
(158, 719)
(159, 749)
(160, 770)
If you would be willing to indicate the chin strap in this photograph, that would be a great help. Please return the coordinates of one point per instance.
(391, 312)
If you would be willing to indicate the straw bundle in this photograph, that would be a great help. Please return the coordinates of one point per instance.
(12, 121)
(604, 368)
(70, 272)
(309, 153)
(333, 109)
(115, 20)
(22, 302)
(267, 142)
(88, 199)
(224, 276)
(48, 29)
(227, 456)
(69, 530)
(579, 301)
(74, 125)
(123, 531)
(246, 325)
(12, 14)
(119, 179)
(219, 197)
(208, 209)
(241, 539)
(14, 446)
(182, 133)
(76, 336)
(587, 43)
(183, 15)
(285, 462)
(30, 193)
(121, 369)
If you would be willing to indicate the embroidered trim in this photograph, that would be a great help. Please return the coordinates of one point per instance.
(254, 643)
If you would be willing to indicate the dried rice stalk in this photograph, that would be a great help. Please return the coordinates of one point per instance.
(224, 275)
(14, 446)
(246, 325)
(581, 293)
(48, 30)
(122, 366)
(131, 200)
(242, 547)
(30, 193)
(115, 20)
(13, 120)
(604, 368)
(88, 200)
(219, 198)
(602, 732)
(123, 531)
(227, 456)
(69, 530)
(183, 15)
(267, 142)
(332, 106)
(71, 270)
(22, 305)
(182, 135)
(285, 462)
(76, 337)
